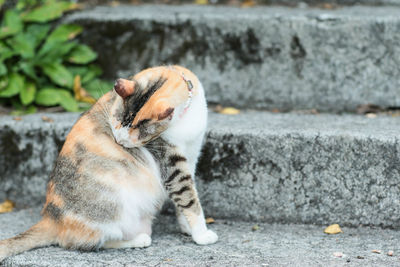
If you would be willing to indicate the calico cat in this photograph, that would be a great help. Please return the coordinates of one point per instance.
(137, 146)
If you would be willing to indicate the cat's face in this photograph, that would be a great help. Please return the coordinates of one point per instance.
(141, 115)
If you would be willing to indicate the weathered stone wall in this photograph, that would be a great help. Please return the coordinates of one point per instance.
(266, 58)
(255, 166)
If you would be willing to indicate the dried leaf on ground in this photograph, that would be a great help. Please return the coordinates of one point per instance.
(229, 111)
(333, 229)
(6, 206)
(248, 3)
(80, 92)
(17, 118)
(47, 119)
(218, 108)
(255, 227)
(328, 6)
(210, 220)
(115, 3)
(390, 253)
(168, 259)
(376, 251)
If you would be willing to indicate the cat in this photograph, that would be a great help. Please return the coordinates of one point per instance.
(136, 146)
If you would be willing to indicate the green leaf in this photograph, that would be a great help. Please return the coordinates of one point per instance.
(67, 101)
(23, 44)
(12, 24)
(82, 54)
(87, 73)
(59, 75)
(59, 36)
(97, 88)
(3, 82)
(15, 83)
(26, 4)
(2, 2)
(54, 52)
(78, 70)
(47, 12)
(27, 94)
(64, 33)
(38, 32)
(3, 69)
(19, 110)
(48, 97)
(92, 72)
(5, 51)
(54, 96)
(30, 109)
(28, 69)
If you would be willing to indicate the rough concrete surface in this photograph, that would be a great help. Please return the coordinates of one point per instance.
(238, 245)
(263, 57)
(333, 2)
(289, 168)
(28, 150)
(302, 168)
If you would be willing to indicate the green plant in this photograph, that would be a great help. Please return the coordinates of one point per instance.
(39, 62)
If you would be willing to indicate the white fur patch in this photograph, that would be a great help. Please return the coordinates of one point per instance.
(141, 241)
(141, 200)
(187, 132)
(122, 137)
(200, 234)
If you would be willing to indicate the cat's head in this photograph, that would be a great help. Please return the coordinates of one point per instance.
(147, 106)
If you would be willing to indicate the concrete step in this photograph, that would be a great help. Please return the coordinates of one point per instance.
(263, 57)
(322, 3)
(291, 3)
(238, 245)
(260, 166)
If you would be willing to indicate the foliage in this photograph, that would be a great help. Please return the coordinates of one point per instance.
(39, 62)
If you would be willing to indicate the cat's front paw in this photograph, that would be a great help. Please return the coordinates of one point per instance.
(205, 238)
(141, 241)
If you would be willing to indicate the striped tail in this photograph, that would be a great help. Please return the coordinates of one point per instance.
(39, 235)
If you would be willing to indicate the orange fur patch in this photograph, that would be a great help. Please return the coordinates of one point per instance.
(72, 232)
(173, 93)
(52, 197)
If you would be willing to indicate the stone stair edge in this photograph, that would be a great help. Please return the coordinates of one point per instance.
(140, 11)
(295, 177)
(245, 123)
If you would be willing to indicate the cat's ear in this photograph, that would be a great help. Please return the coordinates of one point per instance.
(166, 113)
(124, 88)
